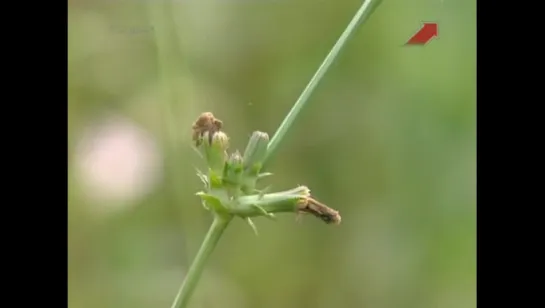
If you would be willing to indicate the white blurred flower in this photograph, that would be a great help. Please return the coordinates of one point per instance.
(117, 161)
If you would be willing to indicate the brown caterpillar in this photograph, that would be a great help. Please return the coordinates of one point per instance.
(320, 210)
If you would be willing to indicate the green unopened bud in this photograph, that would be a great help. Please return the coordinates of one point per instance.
(215, 150)
(255, 152)
(220, 141)
(235, 162)
(232, 173)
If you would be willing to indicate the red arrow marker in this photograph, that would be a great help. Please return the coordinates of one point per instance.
(428, 31)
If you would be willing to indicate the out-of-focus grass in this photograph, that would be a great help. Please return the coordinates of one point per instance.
(389, 140)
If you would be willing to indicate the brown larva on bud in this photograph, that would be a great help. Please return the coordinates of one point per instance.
(320, 210)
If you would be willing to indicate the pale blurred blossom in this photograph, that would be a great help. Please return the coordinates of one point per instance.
(117, 161)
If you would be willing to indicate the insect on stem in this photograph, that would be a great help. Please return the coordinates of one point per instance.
(312, 206)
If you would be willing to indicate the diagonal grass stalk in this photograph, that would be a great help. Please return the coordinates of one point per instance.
(362, 14)
(219, 225)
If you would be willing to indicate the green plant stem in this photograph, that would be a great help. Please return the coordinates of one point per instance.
(281, 206)
(219, 224)
(361, 15)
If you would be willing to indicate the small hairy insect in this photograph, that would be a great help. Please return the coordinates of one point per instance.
(205, 123)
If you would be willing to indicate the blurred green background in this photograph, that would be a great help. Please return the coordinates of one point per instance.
(388, 139)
